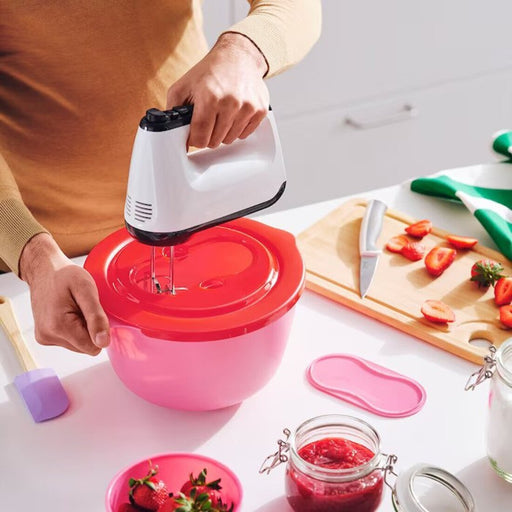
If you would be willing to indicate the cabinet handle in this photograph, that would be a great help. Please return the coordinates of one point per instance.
(404, 114)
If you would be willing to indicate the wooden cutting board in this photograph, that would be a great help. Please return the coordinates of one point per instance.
(330, 249)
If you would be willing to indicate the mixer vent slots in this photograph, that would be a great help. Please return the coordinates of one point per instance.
(143, 211)
(128, 205)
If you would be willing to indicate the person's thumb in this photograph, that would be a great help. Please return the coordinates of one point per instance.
(86, 297)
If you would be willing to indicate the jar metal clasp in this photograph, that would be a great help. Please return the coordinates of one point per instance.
(389, 469)
(486, 371)
(279, 457)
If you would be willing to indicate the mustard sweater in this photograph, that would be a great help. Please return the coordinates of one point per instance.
(75, 79)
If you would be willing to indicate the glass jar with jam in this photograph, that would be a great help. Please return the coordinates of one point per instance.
(498, 368)
(334, 463)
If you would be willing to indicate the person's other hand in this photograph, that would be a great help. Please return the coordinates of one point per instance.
(227, 90)
(64, 298)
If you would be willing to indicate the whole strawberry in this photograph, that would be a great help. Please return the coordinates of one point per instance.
(486, 272)
(149, 492)
(203, 492)
(174, 503)
(193, 503)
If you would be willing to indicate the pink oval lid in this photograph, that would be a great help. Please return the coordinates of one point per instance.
(230, 279)
(367, 385)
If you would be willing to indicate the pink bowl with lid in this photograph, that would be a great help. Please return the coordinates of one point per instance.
(221, 337)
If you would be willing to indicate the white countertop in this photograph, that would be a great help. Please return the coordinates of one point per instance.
(66, 463)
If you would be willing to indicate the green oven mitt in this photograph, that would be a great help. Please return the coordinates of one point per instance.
(485, 190)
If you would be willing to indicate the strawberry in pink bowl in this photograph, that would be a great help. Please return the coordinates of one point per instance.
(174, 481)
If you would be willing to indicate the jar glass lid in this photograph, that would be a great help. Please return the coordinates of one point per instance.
(425, 488)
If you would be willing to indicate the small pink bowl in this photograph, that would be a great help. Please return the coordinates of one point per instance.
(174, 470)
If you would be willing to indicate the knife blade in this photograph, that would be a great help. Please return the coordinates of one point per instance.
(371, 226)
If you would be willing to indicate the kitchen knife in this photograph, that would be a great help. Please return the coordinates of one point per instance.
(371, 227)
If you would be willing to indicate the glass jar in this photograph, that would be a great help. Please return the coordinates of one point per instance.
(334, 463)
(334, 466)
(498, 368)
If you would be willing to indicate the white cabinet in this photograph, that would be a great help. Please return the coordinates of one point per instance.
(405, 135)
(434, 77)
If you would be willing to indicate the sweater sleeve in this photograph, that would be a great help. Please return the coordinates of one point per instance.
(17, 225)
(283, 30)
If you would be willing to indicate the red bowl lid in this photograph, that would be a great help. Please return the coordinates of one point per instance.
(230, 279)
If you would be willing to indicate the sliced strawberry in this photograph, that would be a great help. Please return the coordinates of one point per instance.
(419, 229)
(503, 291)
(397, 243)
(486, 272)
(439, 259)
(506, 315)
(462, 242)
(437, 311)
(413, 251)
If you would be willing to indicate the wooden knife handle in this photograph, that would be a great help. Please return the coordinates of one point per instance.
(12, 330)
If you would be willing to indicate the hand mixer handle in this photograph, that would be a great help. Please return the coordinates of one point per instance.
(172, 194)
(221, 166)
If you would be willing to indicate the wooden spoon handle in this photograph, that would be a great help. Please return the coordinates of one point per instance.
(12, 330)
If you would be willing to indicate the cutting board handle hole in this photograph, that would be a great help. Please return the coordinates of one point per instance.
(481, 343)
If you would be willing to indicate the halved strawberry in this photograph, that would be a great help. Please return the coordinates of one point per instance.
(486, 272)
(461, 242)
(439, 259)
(419, 229)
(413, 251)
(148, 492)
(437, 311)
(506, 315)
(503, 291)
(397, 243)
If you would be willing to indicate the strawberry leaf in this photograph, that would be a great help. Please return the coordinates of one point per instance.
(204, 496)
(151, 485)
(214, 485)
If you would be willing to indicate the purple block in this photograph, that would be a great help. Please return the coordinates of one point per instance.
(43, 393)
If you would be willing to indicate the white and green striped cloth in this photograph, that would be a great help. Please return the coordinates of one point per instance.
(485, 190)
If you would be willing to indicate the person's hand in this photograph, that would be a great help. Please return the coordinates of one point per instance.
(64, 298)
(227, 90)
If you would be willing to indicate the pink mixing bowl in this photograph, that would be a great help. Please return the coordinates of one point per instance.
(222, 336)
(174, 470)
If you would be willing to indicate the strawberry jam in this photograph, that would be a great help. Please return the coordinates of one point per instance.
(326, 491)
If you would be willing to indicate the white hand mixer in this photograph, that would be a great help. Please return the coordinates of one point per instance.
(173, 194)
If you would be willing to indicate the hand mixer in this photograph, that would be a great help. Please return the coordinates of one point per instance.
(173, 194)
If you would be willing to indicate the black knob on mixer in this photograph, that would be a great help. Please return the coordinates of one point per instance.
(153, 115)
(157, 120)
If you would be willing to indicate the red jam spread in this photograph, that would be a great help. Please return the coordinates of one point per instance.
(308, 494)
